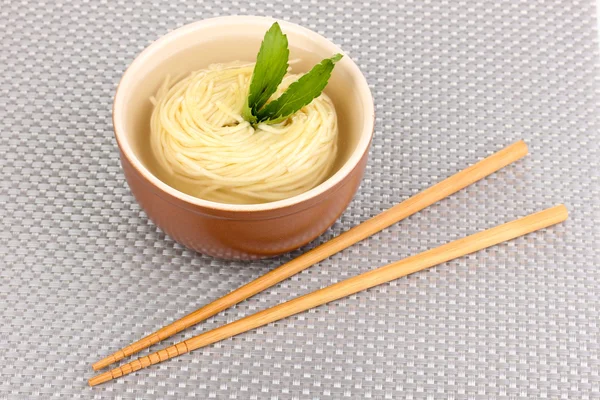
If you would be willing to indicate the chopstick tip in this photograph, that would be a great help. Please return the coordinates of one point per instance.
(523, 148)
(106, 361)
(99, 379)
(564, 212)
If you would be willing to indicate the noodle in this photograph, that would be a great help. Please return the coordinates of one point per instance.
(208, 150)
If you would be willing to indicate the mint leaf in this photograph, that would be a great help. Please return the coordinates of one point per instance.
(271, 66)
(299, 93)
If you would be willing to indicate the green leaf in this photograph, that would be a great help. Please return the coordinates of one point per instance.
(271, 66)
(299, 93)
(247, 113)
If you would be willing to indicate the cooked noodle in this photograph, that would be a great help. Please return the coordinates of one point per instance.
(209, 151)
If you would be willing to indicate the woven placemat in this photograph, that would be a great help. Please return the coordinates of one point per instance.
(83, 271)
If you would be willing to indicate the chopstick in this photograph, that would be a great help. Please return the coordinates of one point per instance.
(381, 221)
(387, 273)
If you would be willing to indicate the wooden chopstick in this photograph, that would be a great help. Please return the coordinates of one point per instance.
(389, 217)
(449, 251)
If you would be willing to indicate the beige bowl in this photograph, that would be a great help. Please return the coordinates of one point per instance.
(231, 230)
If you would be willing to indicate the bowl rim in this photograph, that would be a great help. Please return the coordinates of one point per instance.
(362, 146)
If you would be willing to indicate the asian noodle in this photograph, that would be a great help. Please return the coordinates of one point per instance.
(209, 151)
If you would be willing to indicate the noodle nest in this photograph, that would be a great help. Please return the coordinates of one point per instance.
(208, 150)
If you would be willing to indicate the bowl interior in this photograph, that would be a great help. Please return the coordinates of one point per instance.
(195, 46)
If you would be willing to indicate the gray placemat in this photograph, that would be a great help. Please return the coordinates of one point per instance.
(83, 271)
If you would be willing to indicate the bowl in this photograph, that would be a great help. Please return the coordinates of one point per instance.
(236, 231)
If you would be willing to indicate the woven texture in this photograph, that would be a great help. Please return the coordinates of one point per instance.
(84, 272)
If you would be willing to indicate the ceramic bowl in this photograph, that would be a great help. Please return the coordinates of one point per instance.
(229, 230)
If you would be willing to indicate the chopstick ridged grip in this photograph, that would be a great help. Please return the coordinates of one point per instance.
(142, 362)
(381, 221)
(430, 258)
(143, 343)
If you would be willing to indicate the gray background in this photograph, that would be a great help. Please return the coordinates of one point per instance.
(84, 272)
